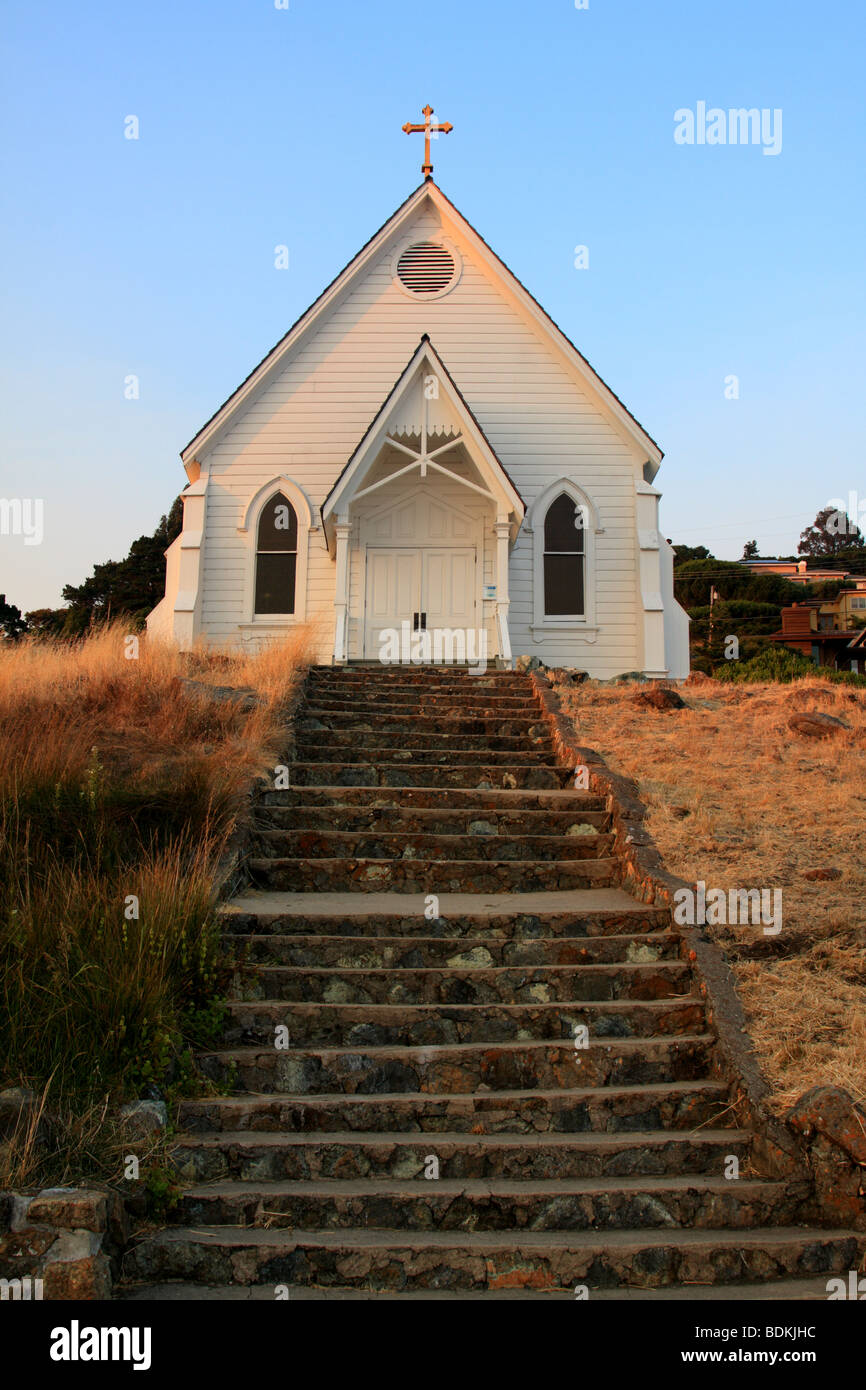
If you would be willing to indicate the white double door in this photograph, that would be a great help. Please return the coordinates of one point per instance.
(429, 588)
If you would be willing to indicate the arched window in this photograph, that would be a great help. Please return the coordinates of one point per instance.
(564, 558)
(276, 556)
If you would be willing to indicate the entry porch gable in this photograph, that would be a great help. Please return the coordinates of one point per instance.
(424, 447)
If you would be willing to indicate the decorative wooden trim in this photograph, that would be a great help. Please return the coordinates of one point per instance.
(346, 487)
(295, 494)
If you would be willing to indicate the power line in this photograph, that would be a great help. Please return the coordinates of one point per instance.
(751, 521)
(698, 575)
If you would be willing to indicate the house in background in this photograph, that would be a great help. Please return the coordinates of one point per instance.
(796, 572)
(793, 570)
(848, 609)
(821, 630)
(426, 450)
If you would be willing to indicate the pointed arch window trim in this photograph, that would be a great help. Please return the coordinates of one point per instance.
(249, 529)
(276, 558)
(564, 558)
(583, 623)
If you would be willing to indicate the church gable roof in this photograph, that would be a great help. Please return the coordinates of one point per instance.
(428, 190)
(447, 418)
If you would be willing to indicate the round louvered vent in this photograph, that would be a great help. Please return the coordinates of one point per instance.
(426, 268)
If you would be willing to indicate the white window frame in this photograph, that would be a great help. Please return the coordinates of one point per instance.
(249, 530)
(564, 622)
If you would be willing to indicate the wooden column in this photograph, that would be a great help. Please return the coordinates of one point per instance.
(503, 529)
(342, 531)
(649, 543)
(186, 617)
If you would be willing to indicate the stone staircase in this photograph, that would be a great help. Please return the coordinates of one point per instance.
(436, 916)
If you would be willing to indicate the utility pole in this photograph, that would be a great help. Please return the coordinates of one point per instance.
(714, 594)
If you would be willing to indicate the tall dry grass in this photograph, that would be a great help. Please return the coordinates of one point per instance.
(120, 781)
(738, 799)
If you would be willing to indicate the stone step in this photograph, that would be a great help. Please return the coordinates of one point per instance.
(470, 706)
(411, 695)
(397, 845)
(437, 921)
(369, 743)
(414, 670)
(254, 1157)
(432, 875)
(253, 1022)
(581, 1112)
(482, 776)
(398, 954)
(424, 672)
(361, 754)
(784, 1291)
(474, 985)
(580, 916)
(430, 820)
(414, 685)
(393, 1259)
(420, 679)
(458, 1067)
(504, 726)
(695, 1202)
(460, 800)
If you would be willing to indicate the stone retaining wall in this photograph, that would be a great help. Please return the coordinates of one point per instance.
(64, 1243)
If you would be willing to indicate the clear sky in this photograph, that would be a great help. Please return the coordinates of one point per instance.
(261, 126)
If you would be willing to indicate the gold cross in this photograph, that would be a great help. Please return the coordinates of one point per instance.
(427, 128)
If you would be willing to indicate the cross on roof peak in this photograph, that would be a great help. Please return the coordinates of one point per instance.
(427, 129)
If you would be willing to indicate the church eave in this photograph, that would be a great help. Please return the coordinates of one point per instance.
(201, 439)
(655, 451)
(206, 436)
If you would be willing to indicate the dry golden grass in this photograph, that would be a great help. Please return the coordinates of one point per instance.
(60, 700)
(81, 1140)
(763, 806)
(118, 777)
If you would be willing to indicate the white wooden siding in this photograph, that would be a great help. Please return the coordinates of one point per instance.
(540, 422)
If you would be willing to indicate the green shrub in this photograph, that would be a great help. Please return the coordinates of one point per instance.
(778, 663)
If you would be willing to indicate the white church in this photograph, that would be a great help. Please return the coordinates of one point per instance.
(426, 451)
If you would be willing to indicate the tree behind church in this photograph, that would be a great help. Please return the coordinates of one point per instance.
(127, 588)
(832, 535)
(12, 625)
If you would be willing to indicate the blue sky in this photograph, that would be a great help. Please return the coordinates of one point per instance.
(261, 126)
